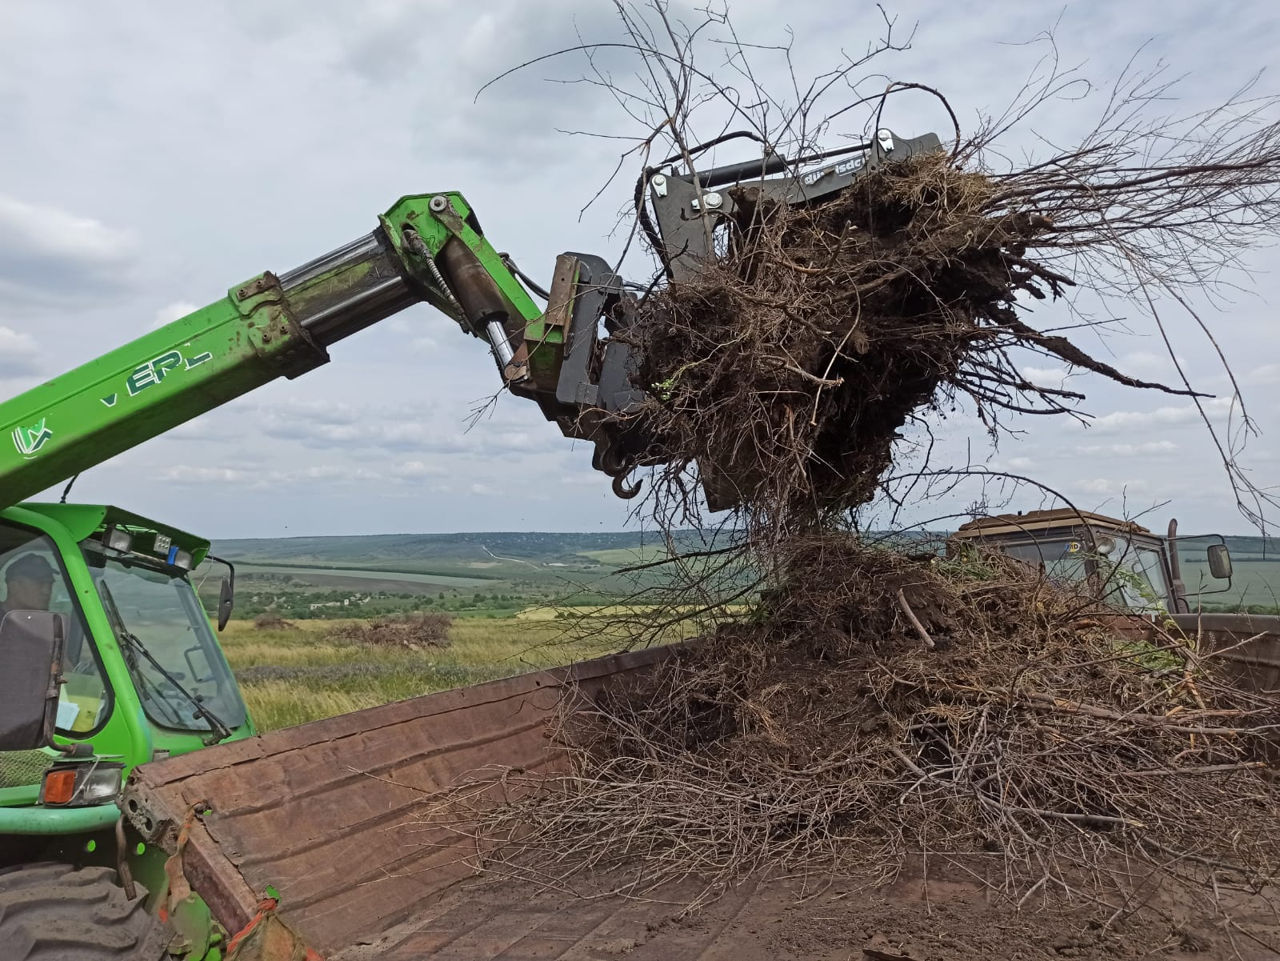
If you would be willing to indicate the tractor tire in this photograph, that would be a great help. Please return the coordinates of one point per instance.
(56, 912)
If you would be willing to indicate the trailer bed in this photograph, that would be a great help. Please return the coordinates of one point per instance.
(330, 814)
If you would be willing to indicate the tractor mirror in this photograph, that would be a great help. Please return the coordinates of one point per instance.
(31, 645)
(226, 600)
(1220, 561)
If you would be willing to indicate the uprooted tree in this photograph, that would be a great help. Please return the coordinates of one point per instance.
(867, 706)
(782, 373)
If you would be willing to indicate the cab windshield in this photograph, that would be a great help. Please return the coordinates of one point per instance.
(1131, 575)
(155, 612)
(1063, 559)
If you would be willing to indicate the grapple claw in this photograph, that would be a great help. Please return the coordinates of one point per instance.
(624, 491)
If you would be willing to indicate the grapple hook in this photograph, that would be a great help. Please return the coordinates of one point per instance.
(624, 491)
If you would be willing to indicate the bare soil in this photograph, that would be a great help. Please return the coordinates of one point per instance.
(952, 916)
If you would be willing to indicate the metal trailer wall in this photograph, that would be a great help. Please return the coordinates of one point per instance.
(330, 813)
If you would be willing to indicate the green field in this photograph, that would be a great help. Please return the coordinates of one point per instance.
(627, 556)
(346, 576)
(1254, 583)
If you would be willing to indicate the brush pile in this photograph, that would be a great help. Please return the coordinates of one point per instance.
(412, 631)
(271, 621)
(881, 708)
(786, 369)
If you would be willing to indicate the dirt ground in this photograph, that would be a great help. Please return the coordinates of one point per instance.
(952, 917)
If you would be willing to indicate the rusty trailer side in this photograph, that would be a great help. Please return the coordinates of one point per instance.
(1247, 646)
(329, 812)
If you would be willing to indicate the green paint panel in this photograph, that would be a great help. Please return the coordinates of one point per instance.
(38, 820)
(435, 231)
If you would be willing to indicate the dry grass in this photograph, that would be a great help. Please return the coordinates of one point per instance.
(293, 676)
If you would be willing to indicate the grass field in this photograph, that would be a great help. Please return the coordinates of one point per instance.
(626, 556)
(292, 676)
(1253, 582)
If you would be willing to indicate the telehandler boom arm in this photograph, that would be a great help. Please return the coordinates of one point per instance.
(430, 248)
(427, 248)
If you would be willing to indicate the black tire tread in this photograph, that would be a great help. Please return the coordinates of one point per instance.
(56, 912)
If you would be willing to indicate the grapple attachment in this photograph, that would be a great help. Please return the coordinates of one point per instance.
(689, 206)
(587, 380)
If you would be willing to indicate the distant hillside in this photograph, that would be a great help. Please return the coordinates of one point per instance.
(381, 549)
(545, 561)
(540, 547)
(543, 564)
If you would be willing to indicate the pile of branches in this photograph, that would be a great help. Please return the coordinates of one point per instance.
(782, 371)
(271, 621)
(879, 708)
(786, 369)
(412, 631)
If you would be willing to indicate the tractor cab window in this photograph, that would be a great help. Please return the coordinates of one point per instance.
(32, 578)
(164, 634)
(1132, 574)
(1063, 559)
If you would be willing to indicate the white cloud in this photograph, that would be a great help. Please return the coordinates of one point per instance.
(1266, 374)
(1110, 487)
(1046, 376)
(51, 230)
(424, 345)
(1166, 416)
(171, 312)
(402, 429)
(1148, 363)
(50, 255)
(185, 474)
(211, 427)
(18, 354)
(330, 475)
(1129, 450)
(416, 470)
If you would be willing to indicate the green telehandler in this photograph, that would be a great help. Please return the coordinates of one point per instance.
(104, 596)
(108, 660)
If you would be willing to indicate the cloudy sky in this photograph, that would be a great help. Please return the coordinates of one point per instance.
(155, 154)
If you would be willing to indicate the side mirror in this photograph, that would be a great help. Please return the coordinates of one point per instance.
(1220, 561)
(227, 592)
(226, 600)
(31, 644)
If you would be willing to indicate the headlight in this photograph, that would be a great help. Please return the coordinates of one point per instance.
(117, 539)
(81, 783)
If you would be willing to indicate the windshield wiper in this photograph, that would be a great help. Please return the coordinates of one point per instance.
(218, 729)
